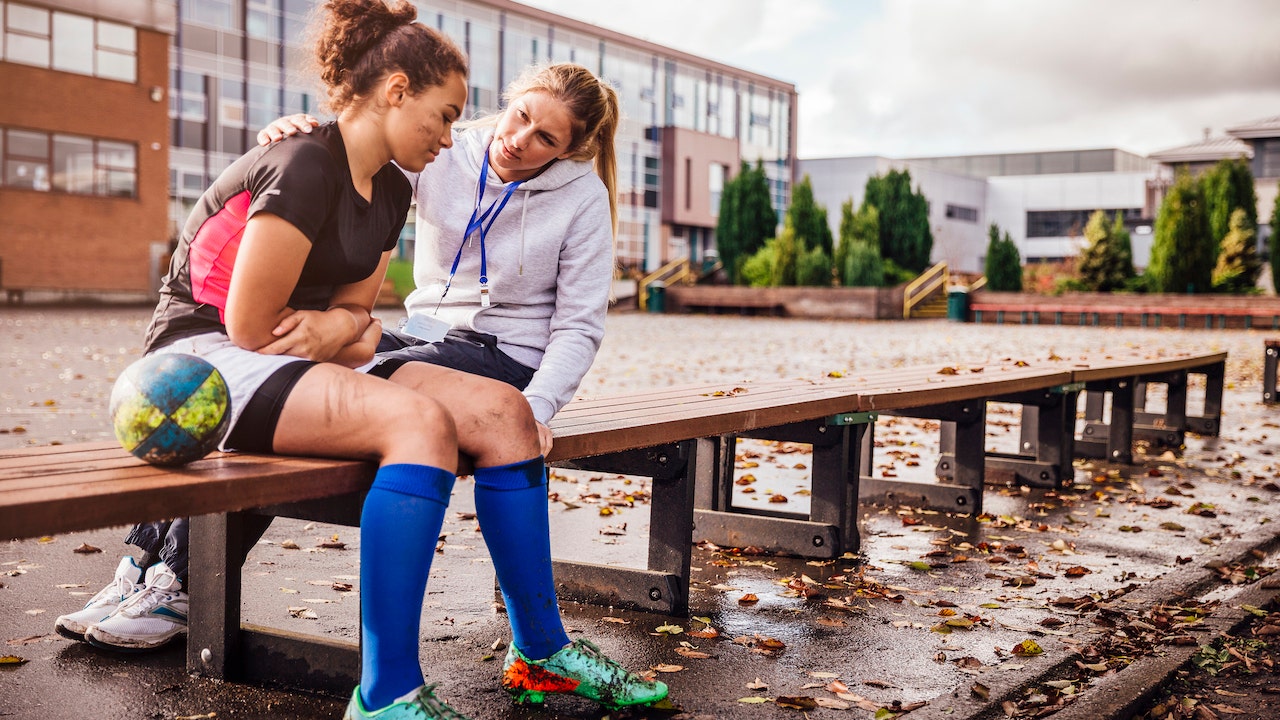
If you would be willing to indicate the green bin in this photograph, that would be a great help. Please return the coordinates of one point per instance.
(657, 296)
(958, 305)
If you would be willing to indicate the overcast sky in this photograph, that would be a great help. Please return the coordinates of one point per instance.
(911, 78)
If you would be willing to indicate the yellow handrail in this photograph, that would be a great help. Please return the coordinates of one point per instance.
(662, 273)
(978, 284)
(922, 287)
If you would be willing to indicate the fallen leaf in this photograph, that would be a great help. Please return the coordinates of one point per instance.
(669, 629)
(11, 661)
(797, 703)
(757, 685)
(692, 654)
(754, 700)
(1027, 647)
(748, 599)
(87, 549)
(663, 668)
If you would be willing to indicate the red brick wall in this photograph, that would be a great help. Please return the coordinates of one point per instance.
(55, 241)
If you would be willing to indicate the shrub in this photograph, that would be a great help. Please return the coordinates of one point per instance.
(863, 266)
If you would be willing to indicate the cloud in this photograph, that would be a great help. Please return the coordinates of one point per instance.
(931, 77)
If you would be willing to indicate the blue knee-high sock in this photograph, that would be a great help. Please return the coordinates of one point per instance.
(511, 505)
(399, 526)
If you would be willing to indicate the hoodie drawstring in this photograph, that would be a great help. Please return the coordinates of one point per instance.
(524, 208)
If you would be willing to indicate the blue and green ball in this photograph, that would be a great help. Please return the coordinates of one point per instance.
(170, 409)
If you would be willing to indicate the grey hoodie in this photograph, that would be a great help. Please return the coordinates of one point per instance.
(550, 263)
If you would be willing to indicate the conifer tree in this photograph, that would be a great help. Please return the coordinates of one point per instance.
(858, 255)
(1107, 262)
(1004, 262)
(1238, 264)
(1182, 257)
(1229, 185)
(746, 219)
(905, 237)
(809, 218)
(1273, 245)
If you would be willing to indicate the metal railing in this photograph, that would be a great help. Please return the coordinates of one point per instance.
(673, 272)
(930, 282)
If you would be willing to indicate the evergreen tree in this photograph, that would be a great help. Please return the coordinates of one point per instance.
(1238, 264)
(1107, 262)
(729, 226)
(786, 254)
(1273, 245)
(746, 219)
(905, 237)
(858, 255)
(1004, 262)
(808, 218)
(1228, 185)
(1182, 252)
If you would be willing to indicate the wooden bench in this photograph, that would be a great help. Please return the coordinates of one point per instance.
(681, 437)
(1271, 357)
(1120, 315)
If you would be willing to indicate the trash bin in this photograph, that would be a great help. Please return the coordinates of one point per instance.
(958, 304)
(657, 296)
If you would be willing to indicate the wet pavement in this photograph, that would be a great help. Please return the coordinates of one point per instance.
(942, 614)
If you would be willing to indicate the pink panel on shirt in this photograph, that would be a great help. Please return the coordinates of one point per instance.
(213, 253)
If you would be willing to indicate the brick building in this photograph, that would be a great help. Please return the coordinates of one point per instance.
(84, 143)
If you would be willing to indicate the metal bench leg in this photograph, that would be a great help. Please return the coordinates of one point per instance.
(1270, 391)
(1113, 440)
(831, 526)
(1046, 439)
(1210, 422)
(664, 586)
(213, 635)
(961, 468)
(1162, 429)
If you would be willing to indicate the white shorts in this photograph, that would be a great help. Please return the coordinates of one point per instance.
(243, 370)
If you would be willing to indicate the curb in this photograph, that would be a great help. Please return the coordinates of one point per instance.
(1115, 696)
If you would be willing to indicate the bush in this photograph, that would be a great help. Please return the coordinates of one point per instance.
(757, 270)
(863, 266)
(895, 274)
(813, 268)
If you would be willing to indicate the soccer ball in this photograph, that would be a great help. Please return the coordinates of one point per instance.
(170, 409)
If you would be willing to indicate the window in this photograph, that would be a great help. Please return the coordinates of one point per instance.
(1069, 223)
(69, 164)
(26, 160)
(960, 212)
(70, 43)
(73, 164)
(73, 52)
(715, 184)
(27, 35)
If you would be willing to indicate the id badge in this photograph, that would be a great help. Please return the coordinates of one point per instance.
(426, 327)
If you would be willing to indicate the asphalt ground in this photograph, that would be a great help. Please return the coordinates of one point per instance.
(1090, 592)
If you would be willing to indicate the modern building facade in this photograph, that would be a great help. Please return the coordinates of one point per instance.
(235, 65)
(1042, 199)
(84, 144)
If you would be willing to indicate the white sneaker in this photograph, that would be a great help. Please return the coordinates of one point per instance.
(128, 581)
(150, 618)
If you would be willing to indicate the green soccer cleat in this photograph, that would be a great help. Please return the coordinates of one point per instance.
(419, 704)
(580, 669)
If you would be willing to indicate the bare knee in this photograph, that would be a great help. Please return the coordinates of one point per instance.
(419, 429)
(500, 422)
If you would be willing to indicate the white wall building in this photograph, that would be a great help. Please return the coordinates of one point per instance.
(1043, 200)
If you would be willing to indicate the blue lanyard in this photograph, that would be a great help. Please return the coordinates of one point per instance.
(477, 226)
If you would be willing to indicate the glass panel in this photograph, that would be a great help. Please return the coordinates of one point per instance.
(73, 164)
(117, 163)
(117, 37)
(28, 144)
(28, 19)
(73, 45)
(117, 66)
(27, 50)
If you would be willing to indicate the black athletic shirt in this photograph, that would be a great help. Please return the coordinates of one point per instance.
(304, 180)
